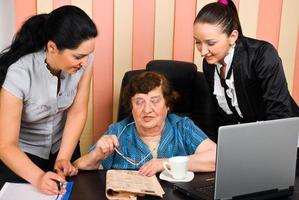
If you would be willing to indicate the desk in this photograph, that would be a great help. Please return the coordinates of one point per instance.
(91, 185)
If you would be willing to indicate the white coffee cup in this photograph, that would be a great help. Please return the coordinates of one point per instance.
(177, 167)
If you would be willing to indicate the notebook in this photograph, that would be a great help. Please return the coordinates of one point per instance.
(25, 191)
(254, 160)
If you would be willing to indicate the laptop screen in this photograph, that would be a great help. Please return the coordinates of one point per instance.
(253, 159)
(256, 157)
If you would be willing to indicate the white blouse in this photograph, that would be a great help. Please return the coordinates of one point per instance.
(231, 92)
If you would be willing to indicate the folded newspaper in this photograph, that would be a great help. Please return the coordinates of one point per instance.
(128, 184)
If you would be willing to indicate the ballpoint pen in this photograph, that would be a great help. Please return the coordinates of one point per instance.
(59, 188)
(58, 185)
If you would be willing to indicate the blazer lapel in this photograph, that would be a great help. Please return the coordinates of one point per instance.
(240, 57)
(209, 71)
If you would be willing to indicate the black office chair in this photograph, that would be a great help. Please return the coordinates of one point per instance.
(122, 110)
(294, 107)
(195, 100)
(181, 76)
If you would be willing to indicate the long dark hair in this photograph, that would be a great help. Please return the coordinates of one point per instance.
(67, 26)
(224, 13)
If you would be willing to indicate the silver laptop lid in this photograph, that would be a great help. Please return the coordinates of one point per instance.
(256, 157)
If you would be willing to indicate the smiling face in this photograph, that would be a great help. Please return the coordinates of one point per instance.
(69, 60)
(212, 43)
(149, 110)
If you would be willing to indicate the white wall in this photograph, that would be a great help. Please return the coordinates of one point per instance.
(7, 22)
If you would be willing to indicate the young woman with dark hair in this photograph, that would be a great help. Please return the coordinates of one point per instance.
(245, 75)
(45, 76)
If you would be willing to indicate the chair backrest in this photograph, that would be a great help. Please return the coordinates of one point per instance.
(204, 109)
(294, 107)
(195, 99)
(181, 76)
(122, 111)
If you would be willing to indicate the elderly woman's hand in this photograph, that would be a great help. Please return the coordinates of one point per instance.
(152, 167)
(105, 146)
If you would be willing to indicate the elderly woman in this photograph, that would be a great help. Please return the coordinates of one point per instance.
(151, 135)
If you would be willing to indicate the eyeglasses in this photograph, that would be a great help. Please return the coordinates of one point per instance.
(118, 150)
(141, 103)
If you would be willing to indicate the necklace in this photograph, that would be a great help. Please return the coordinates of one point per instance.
(152, 143)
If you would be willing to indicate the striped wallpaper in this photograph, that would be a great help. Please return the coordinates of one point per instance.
(133, 32)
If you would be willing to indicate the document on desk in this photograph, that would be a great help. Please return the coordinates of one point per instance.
(24, 191)
(128, 184)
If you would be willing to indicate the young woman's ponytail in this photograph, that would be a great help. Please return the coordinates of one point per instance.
(224, 13)
(30, 38)
(232, 6)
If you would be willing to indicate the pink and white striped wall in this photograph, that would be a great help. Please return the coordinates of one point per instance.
(133, 32)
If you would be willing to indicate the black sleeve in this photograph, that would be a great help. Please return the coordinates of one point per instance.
(270, 74)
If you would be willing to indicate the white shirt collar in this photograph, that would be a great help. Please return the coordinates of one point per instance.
(227, 59)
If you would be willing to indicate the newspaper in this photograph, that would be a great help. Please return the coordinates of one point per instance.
(128, 184)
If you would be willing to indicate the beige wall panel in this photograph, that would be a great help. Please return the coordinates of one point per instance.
(123, 19)
(248, 13)
(44, 6)
(86, 137)
(197, 57)
(288, 38)
(85, 5)
(164, 22)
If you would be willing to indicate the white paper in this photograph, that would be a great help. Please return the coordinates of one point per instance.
(23, 191)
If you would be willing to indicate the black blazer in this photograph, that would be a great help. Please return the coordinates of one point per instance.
(260, 83)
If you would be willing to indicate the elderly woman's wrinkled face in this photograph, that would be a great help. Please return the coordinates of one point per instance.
(149, 110)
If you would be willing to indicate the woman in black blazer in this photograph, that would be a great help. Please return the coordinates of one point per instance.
(244, 75)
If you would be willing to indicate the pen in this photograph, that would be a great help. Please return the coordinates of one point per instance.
(59, 188)
(58, 185)
(57, 182)
(57, 197)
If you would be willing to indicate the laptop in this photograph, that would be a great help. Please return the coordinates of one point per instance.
(254, 161)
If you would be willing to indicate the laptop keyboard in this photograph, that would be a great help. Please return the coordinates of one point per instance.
(201, 188)
(204, 183)
(206, 191)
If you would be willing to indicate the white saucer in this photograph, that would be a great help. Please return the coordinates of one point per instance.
(167, 177)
